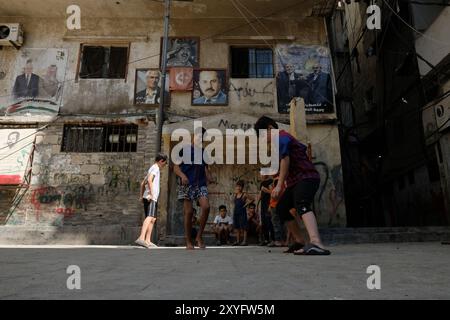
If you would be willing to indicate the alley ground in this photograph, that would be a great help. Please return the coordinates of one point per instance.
(408, 271)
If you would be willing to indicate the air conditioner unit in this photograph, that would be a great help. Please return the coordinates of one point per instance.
(11, 34)
(442, 111)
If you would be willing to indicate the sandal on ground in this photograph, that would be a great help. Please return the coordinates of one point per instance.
(142, 243)
(294, 247)
(244, 244)
(313, 250)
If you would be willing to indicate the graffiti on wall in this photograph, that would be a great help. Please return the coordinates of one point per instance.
(65, 199)
(120, 178)
(330, 197)
(257, 93)
(67, 195)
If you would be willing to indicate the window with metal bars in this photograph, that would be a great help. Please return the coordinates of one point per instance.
(100, 138)
(251, 62)
(101, 62)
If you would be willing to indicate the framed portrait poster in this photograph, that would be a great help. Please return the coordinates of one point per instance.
(183, 52)
(147, 89)
(210, 87)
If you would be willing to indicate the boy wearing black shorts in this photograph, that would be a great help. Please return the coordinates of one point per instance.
(150, 189)
(301, 179)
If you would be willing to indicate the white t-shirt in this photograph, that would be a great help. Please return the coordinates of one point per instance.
(226, 220)
(154, 171)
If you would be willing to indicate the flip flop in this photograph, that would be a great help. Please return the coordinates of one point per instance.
(141, 243)
(294, 247)
(313, 250)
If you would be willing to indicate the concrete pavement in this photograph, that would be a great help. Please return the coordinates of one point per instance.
(408, 271)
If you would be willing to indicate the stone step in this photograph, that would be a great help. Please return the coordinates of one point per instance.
(384, 235)
(119, 235)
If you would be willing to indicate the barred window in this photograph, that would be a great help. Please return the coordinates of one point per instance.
(100, 138)
(100, 62)
(251, 63)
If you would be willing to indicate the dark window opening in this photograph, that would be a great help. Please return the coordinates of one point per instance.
(104, 62)
(251, 63)
(100, 138)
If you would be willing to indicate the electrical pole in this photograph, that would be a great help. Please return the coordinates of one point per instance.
(163, 76)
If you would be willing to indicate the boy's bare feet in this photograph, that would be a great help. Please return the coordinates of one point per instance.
(200, 243)
(189, 246)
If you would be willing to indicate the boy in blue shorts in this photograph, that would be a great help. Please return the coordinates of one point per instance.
(193, 187)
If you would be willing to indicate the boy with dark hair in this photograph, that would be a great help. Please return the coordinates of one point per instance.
(302, 181)
(222, 226)
(193, 182)
(149, 195)
(254, 224)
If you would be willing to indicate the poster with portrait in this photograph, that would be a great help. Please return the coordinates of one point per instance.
(37, 84)
(210, 87)
(304, 71)
(147, 90)
(183, 52)
(15, 149)
(181, 79)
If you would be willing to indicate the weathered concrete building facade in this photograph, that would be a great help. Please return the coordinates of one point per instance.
(434, 45)
(73, 155)
(390, 81)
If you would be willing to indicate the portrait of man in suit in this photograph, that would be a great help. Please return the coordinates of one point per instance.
(305, 72)
(148, 87)
(152, 92)
(26, 84)
(211, 88)
(321, 92)
(290, 84)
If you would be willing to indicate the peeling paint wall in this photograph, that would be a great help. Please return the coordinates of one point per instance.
(92, 189)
